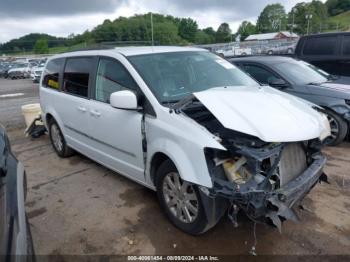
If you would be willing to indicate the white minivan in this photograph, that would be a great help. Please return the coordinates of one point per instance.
(190, 125)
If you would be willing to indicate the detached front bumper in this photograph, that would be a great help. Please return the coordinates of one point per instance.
(273, 206)
(282, 201)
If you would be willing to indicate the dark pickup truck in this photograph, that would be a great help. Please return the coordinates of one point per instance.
(330, 52)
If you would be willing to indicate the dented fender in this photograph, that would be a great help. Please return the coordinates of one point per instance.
(185, 148)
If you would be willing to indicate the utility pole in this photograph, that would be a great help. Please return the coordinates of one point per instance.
(293, 21)
(308, 17)
(152, 29)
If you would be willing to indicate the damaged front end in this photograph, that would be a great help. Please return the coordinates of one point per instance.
(266, 180)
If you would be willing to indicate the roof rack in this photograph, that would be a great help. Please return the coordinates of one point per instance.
(110, 45)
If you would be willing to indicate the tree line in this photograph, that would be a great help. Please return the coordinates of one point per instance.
(304, 16)
(182, 31)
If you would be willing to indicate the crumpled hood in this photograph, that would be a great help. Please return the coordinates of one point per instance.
(264, 112)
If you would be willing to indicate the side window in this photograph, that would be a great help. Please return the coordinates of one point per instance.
(260, 74)
(346, 45)
(76, 76)
(51, 73)
(111, 77)
(320, 46)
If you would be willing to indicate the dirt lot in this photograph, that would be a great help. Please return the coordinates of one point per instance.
(76, 206)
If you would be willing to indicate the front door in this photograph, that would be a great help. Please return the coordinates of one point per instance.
(115, 133)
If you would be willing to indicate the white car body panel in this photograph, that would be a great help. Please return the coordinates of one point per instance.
(249, 110)
(179, 137)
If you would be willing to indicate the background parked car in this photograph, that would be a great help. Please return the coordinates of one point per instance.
(15, 236)
(21, 70)
(282, 48)
(305, 81)
(36, 72)
(330, 52)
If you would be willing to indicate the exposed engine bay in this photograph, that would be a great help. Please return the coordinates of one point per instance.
(266, 180)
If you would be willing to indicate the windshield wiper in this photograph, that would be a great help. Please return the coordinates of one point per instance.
(182, 103)
(333, 77)
(314, 83)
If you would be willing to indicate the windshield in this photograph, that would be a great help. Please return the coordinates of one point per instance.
(318, 70)
(300, 72)
(173, 76)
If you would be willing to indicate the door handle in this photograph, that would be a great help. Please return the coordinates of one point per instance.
(95, 113)
(82, 109)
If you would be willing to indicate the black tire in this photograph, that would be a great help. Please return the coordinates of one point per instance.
(270, 52)
(63, 151)
(336, 122)
(30, 246)
(200, 223)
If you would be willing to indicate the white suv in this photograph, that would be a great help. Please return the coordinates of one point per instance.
(188, 124)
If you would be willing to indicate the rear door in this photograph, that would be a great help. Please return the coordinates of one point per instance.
(115, 133)
(72, 103)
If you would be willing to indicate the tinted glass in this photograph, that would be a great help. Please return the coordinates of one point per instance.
(112, 77)
(260, 74)
(299, 72)
(76, 76)
(173, 76)
(346, 45)
(51, 73)
(320, 46)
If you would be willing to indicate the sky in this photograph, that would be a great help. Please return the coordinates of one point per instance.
(63, 17)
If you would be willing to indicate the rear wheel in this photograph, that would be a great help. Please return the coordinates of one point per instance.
(339, 128)
(180, 200)
(58, 141)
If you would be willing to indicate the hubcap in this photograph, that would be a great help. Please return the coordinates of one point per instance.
(56, 137)
(334, 128)
(180, 198)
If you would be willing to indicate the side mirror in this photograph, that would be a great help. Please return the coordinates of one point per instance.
(278, 82)
(124, 100)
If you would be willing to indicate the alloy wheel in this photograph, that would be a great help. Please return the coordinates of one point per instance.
(334, 127)
(180, 198)
(56, 138)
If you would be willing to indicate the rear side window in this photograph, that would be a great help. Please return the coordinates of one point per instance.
(76, 76)
(112, 76)
(346, 45)
(51, 73)
(320, 46)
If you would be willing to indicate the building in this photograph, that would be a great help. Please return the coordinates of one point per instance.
(272, 36)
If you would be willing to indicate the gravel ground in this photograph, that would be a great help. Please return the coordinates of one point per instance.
(76, 206)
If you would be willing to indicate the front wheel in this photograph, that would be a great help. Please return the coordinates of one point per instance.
(339, 128)
(180, 200)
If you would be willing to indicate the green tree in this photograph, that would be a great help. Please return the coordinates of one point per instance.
(299, 13)
(41, 46)
(245, 29)
(223, 34)
(203, 38)
(336, 7)
(272, 19)
(188, 29)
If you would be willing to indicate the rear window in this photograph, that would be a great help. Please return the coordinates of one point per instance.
(51, 73)
(346, 45)
(321, 46)
(76, 76)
